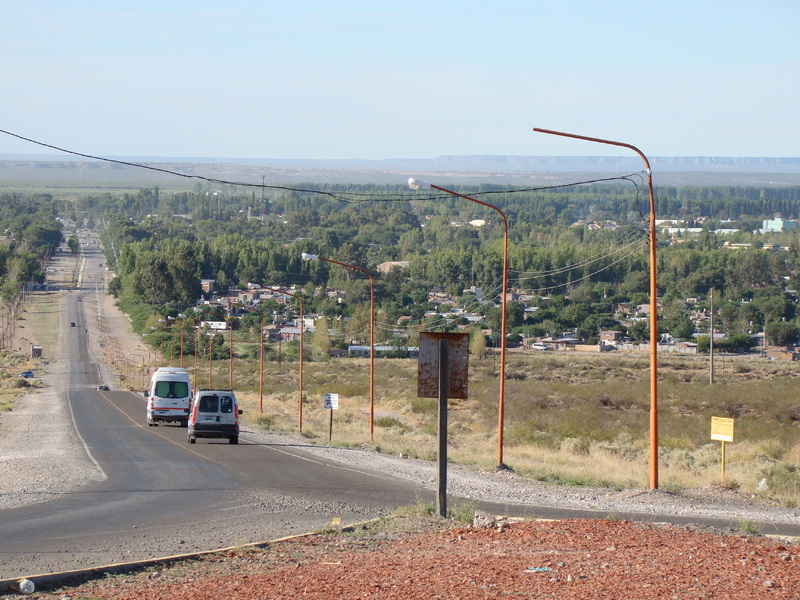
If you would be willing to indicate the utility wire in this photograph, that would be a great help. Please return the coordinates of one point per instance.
(341, 196)
(588, 261)
(642, 243)
(167, 171)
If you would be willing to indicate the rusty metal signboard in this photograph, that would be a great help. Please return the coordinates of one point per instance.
(428, 370)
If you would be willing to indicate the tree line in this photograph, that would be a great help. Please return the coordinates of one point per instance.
(575, 254)
(29, 232)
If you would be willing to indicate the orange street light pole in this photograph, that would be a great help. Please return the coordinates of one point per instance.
(140, 366)
(302, 330)
(196, 344)
(306, 256)
(415, 184)
(171, 338)
(149, 360)
(230, 352)
(180, 337)
(653, 299)
(159, 359)
(260, 354)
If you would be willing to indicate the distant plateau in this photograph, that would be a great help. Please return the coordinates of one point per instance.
(54, 172)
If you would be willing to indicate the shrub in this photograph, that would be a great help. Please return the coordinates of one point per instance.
(391, 422)
(622, 447)
(783, 482)
(265, 422)
(426, 406)
(575, 445)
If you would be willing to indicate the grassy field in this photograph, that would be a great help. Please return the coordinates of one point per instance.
(569, 418)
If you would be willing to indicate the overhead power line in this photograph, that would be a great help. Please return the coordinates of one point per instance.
(341, 196)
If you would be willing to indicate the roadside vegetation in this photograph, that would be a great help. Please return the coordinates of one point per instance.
(38, 320)
(570, 418)
(576, 256)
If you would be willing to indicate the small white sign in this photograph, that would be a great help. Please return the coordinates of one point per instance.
(331, 401)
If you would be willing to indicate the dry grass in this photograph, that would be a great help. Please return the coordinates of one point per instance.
(38, 324)
(569, 418)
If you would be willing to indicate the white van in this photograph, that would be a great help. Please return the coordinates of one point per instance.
(169, 397)
(214, 414)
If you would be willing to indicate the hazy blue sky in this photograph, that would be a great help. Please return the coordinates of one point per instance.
(411, 79)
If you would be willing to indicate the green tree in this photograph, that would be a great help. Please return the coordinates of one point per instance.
(477, 343)
(782, 333)
(682, 328)
(183, 270)
(154, 280)
(74, 245)
(321, 341)
(639, 331)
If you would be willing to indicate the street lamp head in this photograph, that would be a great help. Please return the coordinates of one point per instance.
(416, 184)
(306, 256)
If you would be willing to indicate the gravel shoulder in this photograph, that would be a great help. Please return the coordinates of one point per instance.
(506, 487)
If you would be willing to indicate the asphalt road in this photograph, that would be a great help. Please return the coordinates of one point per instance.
(159, 496)
(162, 496)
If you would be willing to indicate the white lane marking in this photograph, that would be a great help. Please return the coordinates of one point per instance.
(85, 445)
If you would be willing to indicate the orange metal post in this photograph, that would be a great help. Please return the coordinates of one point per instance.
(413, 183)
(653, 299)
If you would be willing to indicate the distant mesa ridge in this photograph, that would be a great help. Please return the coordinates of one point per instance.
(614, 163)
(60, 171)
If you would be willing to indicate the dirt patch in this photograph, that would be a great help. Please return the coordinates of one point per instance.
(579, 559)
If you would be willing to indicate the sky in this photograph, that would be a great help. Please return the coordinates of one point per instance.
(365, 79)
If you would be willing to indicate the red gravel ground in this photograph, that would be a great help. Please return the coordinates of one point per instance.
(568, 559)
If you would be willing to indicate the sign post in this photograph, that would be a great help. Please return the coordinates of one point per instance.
(722, 430)
(330, 402)
(442, 374)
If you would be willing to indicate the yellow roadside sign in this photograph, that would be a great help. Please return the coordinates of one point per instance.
(722, 429)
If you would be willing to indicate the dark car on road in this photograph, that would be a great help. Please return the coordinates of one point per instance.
(103, 388)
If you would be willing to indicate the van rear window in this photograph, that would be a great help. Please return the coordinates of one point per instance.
(226, 404)
(209, 404)
(172, 389)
